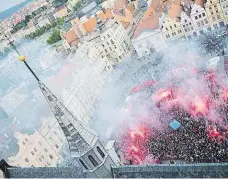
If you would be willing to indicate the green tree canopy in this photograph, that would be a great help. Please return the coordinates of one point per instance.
(57, 3)
(55, 37)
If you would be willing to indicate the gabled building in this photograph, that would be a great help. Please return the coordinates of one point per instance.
(224, 6)
(187, 26)
(214, 14)
(171, 28)
(199, 17)
(42, 148)
(111, 40)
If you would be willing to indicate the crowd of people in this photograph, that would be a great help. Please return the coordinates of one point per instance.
(193, 142)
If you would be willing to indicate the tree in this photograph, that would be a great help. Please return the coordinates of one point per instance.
(77, 6)
(55, 37)
(213, 41)
(57, 3)
(48, 26)
(60, 21)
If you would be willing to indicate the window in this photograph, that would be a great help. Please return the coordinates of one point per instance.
(45, 150)
(185, 21)
(26, 159)
(32, 153)
(166, 28)
(83, 164)
(205, 21)
(215, 26)
(50, 156)
(100, 152)
(40, 143)
(183, 25)
(34, 149)
(211, 13)
(209, 28)
(200, 16)
(170, 27)
(92, 160)
(196, 17)
(42, 156)
(203, 14)
(56, 146)
(175, 25)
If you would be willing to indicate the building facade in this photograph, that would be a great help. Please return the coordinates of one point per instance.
(41, 149)
(87, 84)
(214, 14)
(224, 6)
(187, 26)
(112, 41)
(172, 30)
(200, 19)
(148, 42)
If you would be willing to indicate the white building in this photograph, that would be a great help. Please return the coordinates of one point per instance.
(42, 148)
(172, 29)
(199, 19)
(187, 26)
(214, 14)
(89, 77)
(148, 42)
(224, 5)
(111, 41)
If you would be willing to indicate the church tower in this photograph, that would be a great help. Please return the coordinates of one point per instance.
(84, 145)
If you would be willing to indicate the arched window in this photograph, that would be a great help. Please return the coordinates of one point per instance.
(92, 160)
(100, 152)
(84, 165)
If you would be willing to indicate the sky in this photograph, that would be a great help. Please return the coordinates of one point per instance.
(9, 3)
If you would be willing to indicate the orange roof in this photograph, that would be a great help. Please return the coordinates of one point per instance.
(199, 2)
(159, 6)
(130, 7)
(70, 36)
(90, 25)
(175, 12)
(150, 22)
(105, 15)
(128, 18)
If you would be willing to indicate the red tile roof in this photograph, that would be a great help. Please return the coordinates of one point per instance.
(150, 21)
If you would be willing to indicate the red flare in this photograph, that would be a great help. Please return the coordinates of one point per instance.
(199, 106)
(225, 94)
(163, 94)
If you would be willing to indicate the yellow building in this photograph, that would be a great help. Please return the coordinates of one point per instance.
(60, 12)
(214, 13)
(172, 30)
